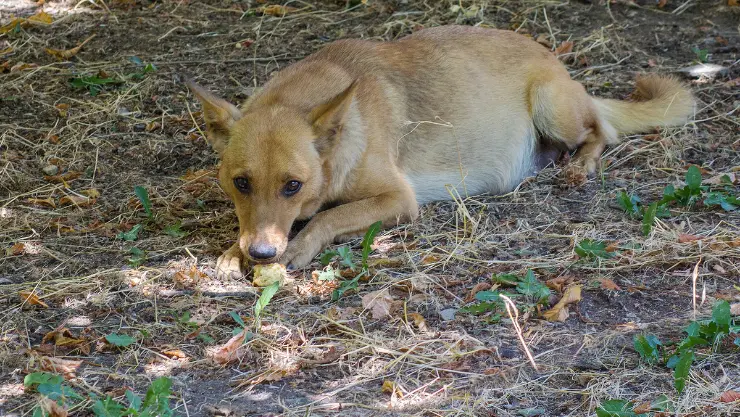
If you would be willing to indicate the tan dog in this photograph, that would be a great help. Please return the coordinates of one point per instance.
(378, 128)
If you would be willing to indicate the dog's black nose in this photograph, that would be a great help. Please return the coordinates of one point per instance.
(262, 251)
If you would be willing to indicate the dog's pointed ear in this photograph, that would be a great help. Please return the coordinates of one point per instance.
(219, 115)
(329, 118)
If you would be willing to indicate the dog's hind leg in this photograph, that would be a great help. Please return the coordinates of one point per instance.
(564, 114)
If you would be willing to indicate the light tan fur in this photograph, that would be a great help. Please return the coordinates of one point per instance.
(377, 128)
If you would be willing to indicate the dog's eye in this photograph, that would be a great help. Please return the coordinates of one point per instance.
(291, 188)
(242, 184)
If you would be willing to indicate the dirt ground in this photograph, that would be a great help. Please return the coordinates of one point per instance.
(71, 155)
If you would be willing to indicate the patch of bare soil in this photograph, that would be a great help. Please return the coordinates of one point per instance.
(80, 129)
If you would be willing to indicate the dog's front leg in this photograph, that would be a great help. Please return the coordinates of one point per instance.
(347, 219)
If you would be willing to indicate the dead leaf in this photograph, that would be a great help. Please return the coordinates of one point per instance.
(46, 202)
(481, 286)
(717, 179)
(390, 387)
(63, 109)
(608, 284)
(558, 283)
(419, 322)
(564, 48)
(63, 55)
(380, 303)
(276, 10)
(560, 311)
(661, 4)
(735, 309)
(729, 396)
(22, 66)
(17, 249)
(42, 18)
(91, 192)
(76, 200)
(65, 367)
(733, 3)
(175, 354)
(63, 178)
(430, 259)
(32, 298)
(642, 408)
(52, 409)
(684, 238)
(230, 351)
(265, 275)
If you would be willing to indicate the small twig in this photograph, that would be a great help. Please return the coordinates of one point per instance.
(515, 321)
(694, 277)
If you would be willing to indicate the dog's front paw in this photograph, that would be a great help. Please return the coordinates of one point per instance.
(299, 254)
(230, 265)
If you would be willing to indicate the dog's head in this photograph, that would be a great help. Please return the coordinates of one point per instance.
(272, 164)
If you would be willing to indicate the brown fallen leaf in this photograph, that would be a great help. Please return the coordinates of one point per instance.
(430, 259)
(230, 351)
(52, 408)
(481, 286)
(729, 396)
(17, 249)
(76, 200)
(46, 202)
(66, 367)
(63, 178)
(661, 4)
(91, 192)
(62, 337)
(276, 10)
(32, 298)
(684, 238)
(419, 322)
(733, 3)
(22, 66)
(560, 311)
(380, 303)
(63, 55)
(62, 109)
(735, 309)
(608, 284)
(642, 408)
(41, 18)
(390, 387)
(720, 179)
(564, 48)
(175, 354)
(558, 283)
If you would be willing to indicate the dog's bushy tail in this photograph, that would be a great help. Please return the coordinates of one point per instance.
(658, 101)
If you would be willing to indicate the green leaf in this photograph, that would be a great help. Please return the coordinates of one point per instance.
(482, 307)
(693, 178)
(615, 408)
(328, 274)
(648, 219)
(120, 340)
(344, 287)
(693, 329)
(681, 371)
(629, 203)
(143, 195)
(662, 403)
(721, 316)
(367, 241)
(509, 280)
(345, 254)
(589, 248)
(663, 212)
(134, 402)
(137, 258)
(327, 256)
(267, 294)
(131, 235)
(728, 203)
(701, 54)
(531, 412)
(487, 296)
(647, 347)
(108, 408)
(37, 378)
(175, 231)
(156, 401)
(237, 318)
(532, 287)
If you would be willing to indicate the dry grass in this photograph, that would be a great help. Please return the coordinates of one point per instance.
(312, 356)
